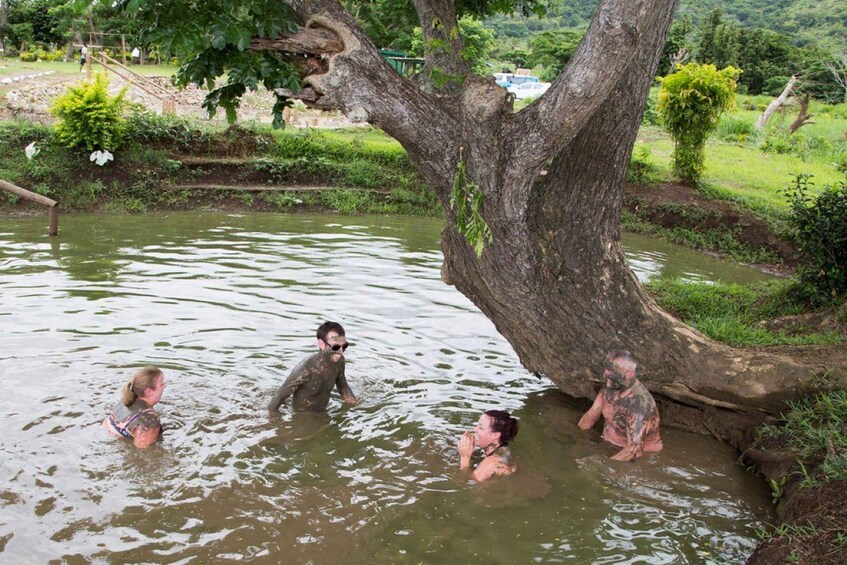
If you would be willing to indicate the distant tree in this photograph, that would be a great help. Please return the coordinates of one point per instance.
(43, 26)
(478, 42)
(4, 15)
(691, 101)
(837, 67)
(677, 40)
(762, 54)
(553, 50)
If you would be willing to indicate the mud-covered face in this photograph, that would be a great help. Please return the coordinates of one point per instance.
(615, 377)
(333, 346)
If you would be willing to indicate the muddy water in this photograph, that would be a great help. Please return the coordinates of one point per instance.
(227, 304)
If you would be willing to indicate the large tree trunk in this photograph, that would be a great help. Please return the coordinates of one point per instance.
(554, 280)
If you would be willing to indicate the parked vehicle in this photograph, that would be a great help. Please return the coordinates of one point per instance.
(529, 89)
(503, 79)
(522, 79)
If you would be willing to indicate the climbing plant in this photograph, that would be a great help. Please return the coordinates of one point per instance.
(467, 200)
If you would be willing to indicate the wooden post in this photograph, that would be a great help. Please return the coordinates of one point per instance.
(123, 48)
(53, 229)
(32, 196)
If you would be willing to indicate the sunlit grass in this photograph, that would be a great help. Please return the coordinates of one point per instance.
(741, 172)
(14, 66)
(731, 313)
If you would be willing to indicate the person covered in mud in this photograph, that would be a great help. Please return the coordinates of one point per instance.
(631, 419)
(133, 417)
(312, 380)
(492, 433)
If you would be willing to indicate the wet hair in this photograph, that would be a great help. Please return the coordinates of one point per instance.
(502, 421)
(142, 380)
(327, 327)
(624, 359)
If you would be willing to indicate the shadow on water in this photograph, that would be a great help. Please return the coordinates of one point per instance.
(227, 305)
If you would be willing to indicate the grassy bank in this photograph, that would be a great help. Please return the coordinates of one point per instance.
(751, 167)
(365, 170)
(805, 462)
(741, 315)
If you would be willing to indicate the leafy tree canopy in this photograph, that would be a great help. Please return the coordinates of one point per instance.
(213, 38)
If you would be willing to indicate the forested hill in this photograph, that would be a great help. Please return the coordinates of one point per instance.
(808, 22)
(821, 23)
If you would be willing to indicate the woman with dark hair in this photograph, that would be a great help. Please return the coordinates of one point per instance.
(133, 417)
(492, 433)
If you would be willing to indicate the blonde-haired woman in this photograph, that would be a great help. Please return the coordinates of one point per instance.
(133, 417)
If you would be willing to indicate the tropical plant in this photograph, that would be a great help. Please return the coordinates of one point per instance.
(691, 102)
(89, 117)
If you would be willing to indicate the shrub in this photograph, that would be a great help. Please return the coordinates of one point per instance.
(735, 129)
(28, 57)
(782, 142)
(651, 117)
(642, 169)
(691, 101)
(89, 117)
(820, 229)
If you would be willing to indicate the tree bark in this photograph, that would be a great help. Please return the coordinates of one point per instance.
(803, 117)
(554, 280)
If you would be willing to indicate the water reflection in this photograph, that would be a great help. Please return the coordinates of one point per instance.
(227, 304)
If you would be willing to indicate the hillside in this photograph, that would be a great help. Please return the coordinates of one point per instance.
(807, 22)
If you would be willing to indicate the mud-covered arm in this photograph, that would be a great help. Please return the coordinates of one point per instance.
(344, 389)
(590, 418)
(295, 380)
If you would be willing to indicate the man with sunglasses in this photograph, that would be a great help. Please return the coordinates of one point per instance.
(631, 419)
(312, 380)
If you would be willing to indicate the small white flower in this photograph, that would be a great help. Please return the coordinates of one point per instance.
(101, 157)
(31, 150)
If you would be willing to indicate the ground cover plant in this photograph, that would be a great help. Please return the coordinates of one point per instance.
(732, 313)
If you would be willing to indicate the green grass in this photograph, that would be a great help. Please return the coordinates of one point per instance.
(737, 167)
(364, 159)
(814, 428)
(730, 313)
(14, 66)
(742, 173)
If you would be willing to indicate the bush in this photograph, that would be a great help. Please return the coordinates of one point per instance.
(735, 129)
(820, 229)
(89, 117)
(28, 57)
(691, 101)
(651, 117)
(782, 142)
(642, 169)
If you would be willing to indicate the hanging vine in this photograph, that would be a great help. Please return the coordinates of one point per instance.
(467, 201)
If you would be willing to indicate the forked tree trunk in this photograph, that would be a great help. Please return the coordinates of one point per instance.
(554, 281)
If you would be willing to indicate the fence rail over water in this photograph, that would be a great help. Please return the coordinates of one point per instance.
(53, 229)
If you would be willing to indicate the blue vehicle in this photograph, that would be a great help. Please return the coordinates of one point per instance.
(503, 79)
(507, 80)
(518, 80)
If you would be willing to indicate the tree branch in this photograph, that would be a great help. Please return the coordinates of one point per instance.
(359, 81)
(317, 41)
(617, 33)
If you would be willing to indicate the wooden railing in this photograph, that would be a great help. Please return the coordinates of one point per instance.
(165, 96)
(53, 229)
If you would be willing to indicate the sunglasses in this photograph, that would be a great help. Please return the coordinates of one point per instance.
(337, 346)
